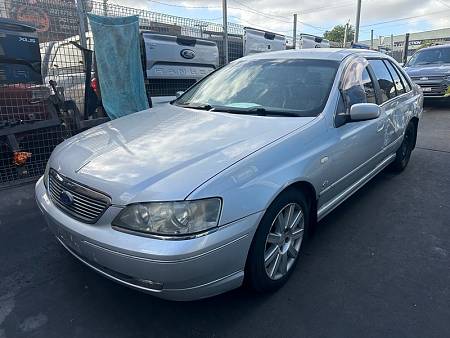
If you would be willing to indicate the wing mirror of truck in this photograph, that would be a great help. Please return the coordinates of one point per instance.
(364, 111)
(179, 93)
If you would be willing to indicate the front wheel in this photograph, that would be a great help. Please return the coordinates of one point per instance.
(276, 246)
(404, 152)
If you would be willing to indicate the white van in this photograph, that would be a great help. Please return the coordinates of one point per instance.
(259, 41)
(312, 41)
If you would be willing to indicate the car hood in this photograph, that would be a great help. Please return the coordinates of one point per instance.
(429, 70)
(165, 153)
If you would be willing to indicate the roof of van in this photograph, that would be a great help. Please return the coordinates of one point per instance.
(336, 54)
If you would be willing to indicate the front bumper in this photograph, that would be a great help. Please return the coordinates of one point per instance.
(434, 89)
(172, 269)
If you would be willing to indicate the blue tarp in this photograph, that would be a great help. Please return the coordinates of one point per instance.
(119, 67)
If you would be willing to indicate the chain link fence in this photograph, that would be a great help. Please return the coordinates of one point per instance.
(31, 125)
(37, 115)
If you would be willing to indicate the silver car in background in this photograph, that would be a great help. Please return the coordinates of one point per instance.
(189, 199)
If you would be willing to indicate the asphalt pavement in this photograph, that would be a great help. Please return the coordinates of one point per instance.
(378, 266)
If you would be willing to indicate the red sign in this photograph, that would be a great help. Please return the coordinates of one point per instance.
(53, 19)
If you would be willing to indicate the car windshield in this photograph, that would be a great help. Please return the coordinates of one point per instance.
(430, 56)
(265, 87)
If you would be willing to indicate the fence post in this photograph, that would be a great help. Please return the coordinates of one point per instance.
(105, 7)
(392, 45)
(405, 48)
(294, 42)
(82, 17)
(225, 31)
(358, 18)
(345, 36)
(371, 39)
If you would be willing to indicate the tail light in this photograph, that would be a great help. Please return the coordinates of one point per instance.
(95, 87)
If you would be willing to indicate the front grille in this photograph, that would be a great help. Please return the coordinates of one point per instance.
(75, 199)
(428, 78)
(434, 89)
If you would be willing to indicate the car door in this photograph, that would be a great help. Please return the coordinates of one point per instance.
(404, 106)
(390, 90)
(357, 146)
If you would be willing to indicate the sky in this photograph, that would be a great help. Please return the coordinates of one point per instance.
(385, 17)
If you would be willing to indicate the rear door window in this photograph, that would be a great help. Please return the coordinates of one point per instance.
(397, 82)
(384, 79)
(404, 79)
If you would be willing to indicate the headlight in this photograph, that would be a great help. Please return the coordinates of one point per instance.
(47, 170)
(170, 218)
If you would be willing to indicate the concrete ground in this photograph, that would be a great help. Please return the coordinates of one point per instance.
(378, 266)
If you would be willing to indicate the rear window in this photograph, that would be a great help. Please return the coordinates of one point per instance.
(397, 82)
(404, 79)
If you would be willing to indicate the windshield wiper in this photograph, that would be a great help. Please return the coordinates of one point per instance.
(260, 111)
(200, 106)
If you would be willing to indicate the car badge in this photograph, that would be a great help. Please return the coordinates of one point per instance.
(424, 78)
(66, 198)
(187, 53)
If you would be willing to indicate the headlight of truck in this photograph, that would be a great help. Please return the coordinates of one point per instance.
(170, 218)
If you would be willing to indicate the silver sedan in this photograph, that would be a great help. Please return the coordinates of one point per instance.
(223, 185)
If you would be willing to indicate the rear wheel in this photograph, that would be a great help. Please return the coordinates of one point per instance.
(404, 152)
(276, 246)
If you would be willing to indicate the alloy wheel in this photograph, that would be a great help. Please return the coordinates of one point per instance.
(284, 240)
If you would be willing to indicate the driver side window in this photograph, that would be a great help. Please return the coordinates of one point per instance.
(362, 92)
(359, 90)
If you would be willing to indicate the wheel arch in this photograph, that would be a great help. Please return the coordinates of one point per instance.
(306, 187)
(301, 185)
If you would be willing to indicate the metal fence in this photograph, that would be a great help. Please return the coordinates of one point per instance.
(175, 25)
(59, 25)
(30, 126)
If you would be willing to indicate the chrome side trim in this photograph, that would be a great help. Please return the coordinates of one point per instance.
(332, 204)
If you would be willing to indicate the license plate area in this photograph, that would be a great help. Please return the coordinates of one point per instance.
(68, 239)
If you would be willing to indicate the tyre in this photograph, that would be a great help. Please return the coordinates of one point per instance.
(276, 246)
(404, 152)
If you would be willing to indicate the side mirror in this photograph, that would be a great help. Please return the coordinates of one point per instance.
(364, 111)
(178, 94)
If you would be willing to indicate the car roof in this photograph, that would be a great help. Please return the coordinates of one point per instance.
(336, 54)
(435, 47)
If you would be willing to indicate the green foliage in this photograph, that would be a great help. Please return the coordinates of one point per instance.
(337, 34)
